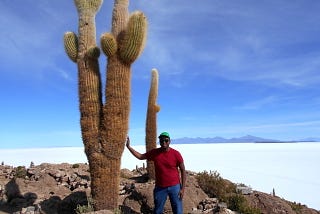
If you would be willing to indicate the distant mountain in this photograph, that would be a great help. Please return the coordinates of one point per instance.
(244, 139)
(251, 139)
(311, 139)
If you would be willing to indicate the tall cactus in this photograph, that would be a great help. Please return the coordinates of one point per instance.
(104, 126)
(151, 121)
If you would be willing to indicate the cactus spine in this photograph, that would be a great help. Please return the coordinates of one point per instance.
(104, 126)
(151, 122)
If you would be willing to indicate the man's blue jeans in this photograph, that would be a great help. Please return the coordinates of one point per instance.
(160, 195)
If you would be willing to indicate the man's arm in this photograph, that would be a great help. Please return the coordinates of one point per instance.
(134, 152)
(183, 179)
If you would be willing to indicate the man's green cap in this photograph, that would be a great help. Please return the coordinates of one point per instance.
(164, 134)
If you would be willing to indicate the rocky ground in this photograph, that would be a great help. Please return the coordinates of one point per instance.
(61, 188)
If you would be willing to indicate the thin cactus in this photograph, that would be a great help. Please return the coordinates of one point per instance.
(151, 122)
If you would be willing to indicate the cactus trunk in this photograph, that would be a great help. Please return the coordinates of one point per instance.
(105, 181)
(104, 127)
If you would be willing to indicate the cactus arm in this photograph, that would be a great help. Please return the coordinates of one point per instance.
(108, 44)
(70, 41)
(120, 16)
(134, 38)
(151, 121)
(89, 7)
(93, 52)
(156, 108)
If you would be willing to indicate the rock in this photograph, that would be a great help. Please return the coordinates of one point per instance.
(59, 188)
(268, 203)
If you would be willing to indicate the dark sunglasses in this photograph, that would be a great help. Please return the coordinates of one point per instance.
(164, 140)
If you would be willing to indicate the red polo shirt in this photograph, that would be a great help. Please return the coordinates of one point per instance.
(166, 166)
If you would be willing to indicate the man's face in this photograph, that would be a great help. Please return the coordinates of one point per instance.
(164, 142)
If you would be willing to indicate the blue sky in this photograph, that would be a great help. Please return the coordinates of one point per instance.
(226, 68)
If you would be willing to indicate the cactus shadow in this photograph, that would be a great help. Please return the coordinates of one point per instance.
(11, 200)
(68, 205)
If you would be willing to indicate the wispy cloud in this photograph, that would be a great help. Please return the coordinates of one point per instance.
(257, 104)
(30, 39)
(239, 42)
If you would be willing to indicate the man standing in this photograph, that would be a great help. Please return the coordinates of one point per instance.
(167, 162)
